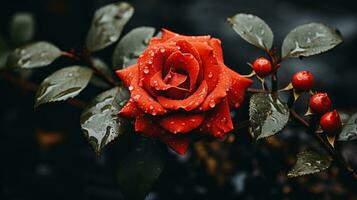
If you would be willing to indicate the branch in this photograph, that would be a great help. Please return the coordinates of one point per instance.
(32, 87)
(327, 146)
(254, 90)
(85, 57)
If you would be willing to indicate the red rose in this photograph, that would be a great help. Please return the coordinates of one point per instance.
(180, 85)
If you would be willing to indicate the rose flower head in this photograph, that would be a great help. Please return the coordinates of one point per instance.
(180, 86)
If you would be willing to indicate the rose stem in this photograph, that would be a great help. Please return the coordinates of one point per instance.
(275, 60)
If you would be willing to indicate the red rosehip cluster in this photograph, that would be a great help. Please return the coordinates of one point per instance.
(319, 103)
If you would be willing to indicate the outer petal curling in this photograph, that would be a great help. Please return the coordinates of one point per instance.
(146, 126)
(216, 45)
(130, 110)
(218, 93)
(178, 144)
(219, 121)
(144, 101)
(239, 85)
(127, 74)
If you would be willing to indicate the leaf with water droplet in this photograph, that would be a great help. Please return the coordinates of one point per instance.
(107, 25)
(34, 55)
(130, 47)
(267, 115)
(349, 130)
(310, 39)
(100, 121)
(309, 162)
(253, 30)
(63, 84)
(22, 28)
(140, 166)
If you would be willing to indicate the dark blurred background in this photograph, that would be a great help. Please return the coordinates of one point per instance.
(44, 155)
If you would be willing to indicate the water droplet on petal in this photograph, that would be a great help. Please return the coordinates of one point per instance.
(146, 70)
(131, 88)
(210, 75)
(212, 104)
(224, 120)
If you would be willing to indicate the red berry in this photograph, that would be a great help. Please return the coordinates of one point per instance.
(303, 81)
(320, 103)
(331, 122)
(262, 67)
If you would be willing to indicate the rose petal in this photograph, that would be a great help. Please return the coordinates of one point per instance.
(151, 62)
(178, 61)
(217, 48)
(181, 123)
(144, 101)
(166, 34)
(154, 41)
(206, 53)
(188, 104)
(179, 145)
(219, 92)
(145, 125)
(219, 122)
(239, 85)
(127, 74)
(158, 84)
(176, 79)
(130, 110)
(171, 36)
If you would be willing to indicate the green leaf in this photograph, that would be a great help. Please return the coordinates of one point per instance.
(130, 47)
(107, 25)
(63, 84)
(22, 28)
(253, 30)
(100, 121)
(349, 130)
(309, 162)
(103, 67)
(38, 54)
(140, 167)
(310, 39)
(267, 116)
